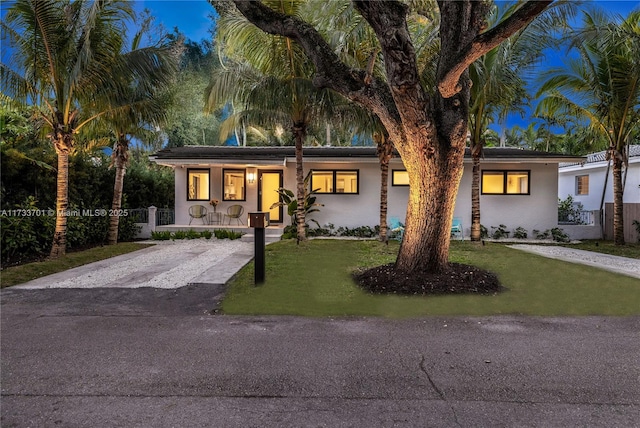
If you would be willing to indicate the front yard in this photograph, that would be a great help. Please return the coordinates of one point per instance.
(314, 279)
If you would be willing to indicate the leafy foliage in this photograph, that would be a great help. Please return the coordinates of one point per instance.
(569, 211)
(27, 230)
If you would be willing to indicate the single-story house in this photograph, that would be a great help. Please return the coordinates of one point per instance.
(590, 183)
(518, 187)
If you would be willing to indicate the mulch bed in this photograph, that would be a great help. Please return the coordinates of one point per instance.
(458, 279)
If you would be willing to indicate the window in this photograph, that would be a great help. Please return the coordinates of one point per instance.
(233, 185)
(505, 182)
(582, 185)
(197, 184)
(399, 177)
(340, 181)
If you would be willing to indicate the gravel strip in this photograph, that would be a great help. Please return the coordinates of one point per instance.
(623, 265)
(169, 265)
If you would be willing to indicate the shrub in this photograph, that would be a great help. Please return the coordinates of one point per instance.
(569, 211)
(541, 235)
(500, 232)
(227, 234)
(360, 232)
(164, 235)
(206, 234)
(484, 232)
(558, 235)
(192, 234)
(520, 233)
(179, 234)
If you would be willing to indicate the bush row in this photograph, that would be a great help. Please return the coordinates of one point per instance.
(30, 235)
(192, 234)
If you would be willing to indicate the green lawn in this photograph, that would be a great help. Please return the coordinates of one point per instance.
(27, 272)
(313, 279)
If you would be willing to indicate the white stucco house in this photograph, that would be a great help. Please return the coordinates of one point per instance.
(590, 183)
(519, 188)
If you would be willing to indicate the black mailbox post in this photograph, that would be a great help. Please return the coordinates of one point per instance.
(259, 221)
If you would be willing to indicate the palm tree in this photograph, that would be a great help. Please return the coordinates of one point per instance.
(602, 90)
(268, 84)
(145, 101)
(499, 85)
(66, 57)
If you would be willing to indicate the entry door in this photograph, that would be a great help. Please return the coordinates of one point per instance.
(270, 182)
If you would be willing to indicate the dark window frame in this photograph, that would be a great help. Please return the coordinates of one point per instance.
(208, 171)
(393, 178)
(244, 175)
(505, 175)
(335, 174)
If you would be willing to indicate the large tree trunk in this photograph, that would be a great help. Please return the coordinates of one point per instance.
(59, 246)
(299, 135)
(433, 185)
(618, 192)
(120, 160)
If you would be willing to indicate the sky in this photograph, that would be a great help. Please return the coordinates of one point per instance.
(192, 17)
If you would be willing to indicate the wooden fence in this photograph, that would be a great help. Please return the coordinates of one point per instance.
(630, 212)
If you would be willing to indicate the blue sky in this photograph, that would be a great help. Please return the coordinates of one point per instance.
(191, 16)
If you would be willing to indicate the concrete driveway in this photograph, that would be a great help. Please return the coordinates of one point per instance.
(158, 358)
(165, 265)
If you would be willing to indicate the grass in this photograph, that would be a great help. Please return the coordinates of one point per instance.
(27, 272)
(631, 250)
(313, 279)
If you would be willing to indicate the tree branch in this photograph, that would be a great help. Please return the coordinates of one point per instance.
(484, 42)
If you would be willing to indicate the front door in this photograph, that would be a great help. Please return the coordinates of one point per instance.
(269, 183)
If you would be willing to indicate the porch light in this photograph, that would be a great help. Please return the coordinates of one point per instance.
(251, 177)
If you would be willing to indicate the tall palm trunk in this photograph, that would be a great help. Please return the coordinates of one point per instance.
(63, 145)
(299, 133)
(120, 160)
(618, 205)
(385, 152)
(475, 196)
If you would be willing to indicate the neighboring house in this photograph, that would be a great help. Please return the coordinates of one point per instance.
(590, 183)
(518, 187)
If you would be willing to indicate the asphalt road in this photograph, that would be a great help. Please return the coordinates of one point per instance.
(162, 358)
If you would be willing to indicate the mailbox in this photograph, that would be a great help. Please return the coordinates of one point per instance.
(259, 219)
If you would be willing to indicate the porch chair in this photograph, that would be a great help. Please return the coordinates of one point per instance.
(456, 228)
(396, 228)
(198, 211)
(235, 211)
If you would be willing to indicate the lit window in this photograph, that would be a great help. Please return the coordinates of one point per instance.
(582, 185)
(322, 181)
(233, 185)
(399, 177)
(505, 182)
(197, 184)
(335, 181)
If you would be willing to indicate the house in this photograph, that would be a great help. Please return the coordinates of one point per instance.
(590, 183)
(518, 187)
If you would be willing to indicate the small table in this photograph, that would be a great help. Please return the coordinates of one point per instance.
(214, 217)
